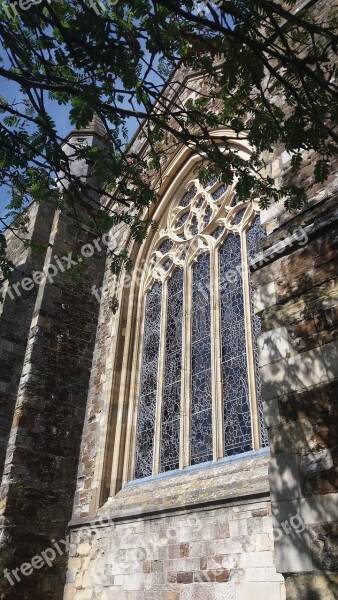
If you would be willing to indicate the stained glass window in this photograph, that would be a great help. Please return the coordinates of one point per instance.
(202, 235)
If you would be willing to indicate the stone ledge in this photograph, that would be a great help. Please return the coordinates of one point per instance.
(231, 482)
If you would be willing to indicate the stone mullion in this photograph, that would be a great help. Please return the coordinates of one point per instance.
(186, 371)
(216, 358)
(249, 346)
(117, 458)
(160, 381)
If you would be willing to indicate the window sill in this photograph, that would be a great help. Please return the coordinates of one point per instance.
(200, 467)
(231, 481)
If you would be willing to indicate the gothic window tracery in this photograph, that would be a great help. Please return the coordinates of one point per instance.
(199, 392)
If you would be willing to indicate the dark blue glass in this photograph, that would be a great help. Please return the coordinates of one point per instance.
(170, 433)
(201, 402)
(237, 420)
(149, 375)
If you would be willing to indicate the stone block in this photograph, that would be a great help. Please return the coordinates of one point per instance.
(221, 575)
(307, 586)
(221, 529)
(254, 526)
(273, 346)
(174, 551)
(74, 563)
(84, 594)
(319, 509)
(71, 576)
(133, 582)
(271, 412)
(255, 574)
(264, 297)
(284, 477)
(112, 594)
(249, 590)
(255, 559)
(292, 545)
(69, 592)
(316, 461)
(184, 550)
(185, 577)
(72, 550)
(293, 437)
(170, 595)
(262, 542)
(224, 591)
(83, 549)
(238, 528)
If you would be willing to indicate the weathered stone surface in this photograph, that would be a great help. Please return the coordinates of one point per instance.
(312, 586)
(222, 549)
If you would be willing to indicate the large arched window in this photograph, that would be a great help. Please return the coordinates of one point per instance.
(199, 393)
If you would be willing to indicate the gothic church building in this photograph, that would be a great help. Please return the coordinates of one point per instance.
(171, 434)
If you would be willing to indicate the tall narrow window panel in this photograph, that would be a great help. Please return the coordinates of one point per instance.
(199, 395)
(149, 376)
(236, 404)
(170, 431)
(200, 374)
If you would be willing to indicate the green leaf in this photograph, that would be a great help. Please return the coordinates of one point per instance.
(321, 170)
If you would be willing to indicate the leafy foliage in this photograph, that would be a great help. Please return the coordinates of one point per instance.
(270, 76)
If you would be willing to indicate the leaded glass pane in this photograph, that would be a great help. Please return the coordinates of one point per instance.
(182, 220)
(172, 375)
(219, 192)
(254, 236)
(218, 232)
(148, 392)
(165, 246)
(237, 420)
(237, 219)
(201, 403)
(188, 196)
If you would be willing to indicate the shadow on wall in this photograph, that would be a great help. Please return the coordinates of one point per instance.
(298, 354)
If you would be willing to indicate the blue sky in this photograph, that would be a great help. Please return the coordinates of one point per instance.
(59, 114)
